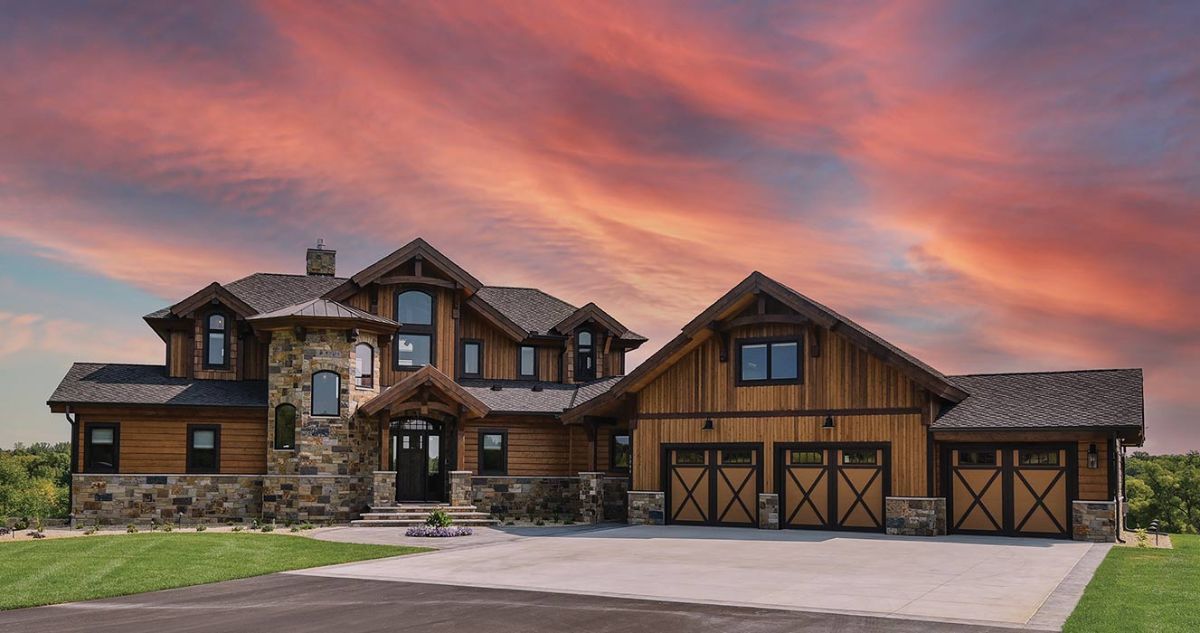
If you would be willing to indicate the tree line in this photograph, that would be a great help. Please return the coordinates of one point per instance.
(34, 481)
(1164, 488)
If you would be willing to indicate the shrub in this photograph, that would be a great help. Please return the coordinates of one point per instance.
(1143, 539)
(201, 528)
(268, 527)
(90, 531)
(539, 522)
(254, 524)
(21, 524)
(131, 529)
(167, 527)
(237, 528)
(438, 519)
(433, 531)
(307, 526)
(294, 529)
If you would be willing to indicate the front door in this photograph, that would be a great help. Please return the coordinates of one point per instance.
(417, 459)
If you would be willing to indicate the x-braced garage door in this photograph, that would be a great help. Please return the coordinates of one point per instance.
(1013, 490)
(712, 485)
(833, 486)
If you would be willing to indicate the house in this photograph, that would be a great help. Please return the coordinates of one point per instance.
(319, 398)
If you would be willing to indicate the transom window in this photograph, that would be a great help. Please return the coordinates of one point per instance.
(364, 366)
(737, 456)
(689, 457)
(768, 362)
(326, 386)
(203, 448)
(867, 456)
(472, 359)
(285, 427)
(980, 457)
(1039, 457)
(416, 339)
(620, 452)
(807, 457)
(216, 341)
(585, 356)
(528, 362)
(101, 448)
(493, 452)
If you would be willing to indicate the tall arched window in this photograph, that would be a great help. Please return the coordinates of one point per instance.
(285, 427)
(216, 341)
(415, 342)
(364, 366)
(326, 386)
(585, 356)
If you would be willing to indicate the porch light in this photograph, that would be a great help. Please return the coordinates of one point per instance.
(828, 422)
(1093, 457)
(708, 425)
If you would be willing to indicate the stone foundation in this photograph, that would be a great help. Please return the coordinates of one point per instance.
(460, 487)
(616, 497)
(768, 511)
(591, 497)
(312, 498)
(916, 516)
(646, 508)
(187, 499)
(383, 489)
(527, 498)
(1094, 521)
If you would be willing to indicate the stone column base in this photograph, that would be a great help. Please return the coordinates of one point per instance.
(460, 488)
(1094, 521)
(768, 511)
(591, 497)
(916, 516)
(383, 489)
(646, 508)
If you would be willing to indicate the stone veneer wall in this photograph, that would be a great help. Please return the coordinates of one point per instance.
(313, 498)
(383, 489)
(616, 498)
(646, 508)
(768, 511)
(190, 499)
(545, 498)
(1094, 521)
(915, 516)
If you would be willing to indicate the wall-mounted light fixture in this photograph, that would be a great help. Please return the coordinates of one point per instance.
(1093, 457)
(828, 424)
(708, 425)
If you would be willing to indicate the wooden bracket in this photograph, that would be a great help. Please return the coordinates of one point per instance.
(723, 334)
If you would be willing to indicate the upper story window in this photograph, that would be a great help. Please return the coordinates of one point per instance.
(585, 356)
(415, 341)
(364, 366)
(216, 341)
(768, 361)
(527, 362)
(101, 447)
(326, 400)
(472, 358)
(285, 427)
(203, 449)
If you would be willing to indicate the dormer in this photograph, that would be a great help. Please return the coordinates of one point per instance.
(596, 344)
(205, 335)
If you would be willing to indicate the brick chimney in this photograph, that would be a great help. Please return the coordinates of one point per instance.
(321, 261)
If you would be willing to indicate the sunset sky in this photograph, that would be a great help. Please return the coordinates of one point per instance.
(992, 186)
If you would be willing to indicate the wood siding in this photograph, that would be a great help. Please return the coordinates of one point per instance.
(253, 358)
(180, 358)
(500, 351)
(536, 446)
(155, 442)
(1093, 482)
(198, 370)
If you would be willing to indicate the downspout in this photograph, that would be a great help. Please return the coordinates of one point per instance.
(73, 467)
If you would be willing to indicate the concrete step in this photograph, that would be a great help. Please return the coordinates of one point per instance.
(423, 508)
(412, 522)
(457, 516)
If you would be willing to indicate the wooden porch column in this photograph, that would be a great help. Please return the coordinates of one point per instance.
(590, 427)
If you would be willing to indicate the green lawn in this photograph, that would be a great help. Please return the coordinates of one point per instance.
(1143, 590)
(64, 570)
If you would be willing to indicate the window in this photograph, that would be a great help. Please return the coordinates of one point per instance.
(528, 362)
(203, 448)
(325, 393)
(689, 457)
(980, 457)
(472, 358)
(493, 452)
(807, 457)
(216, 341)
(585, 356)
(415, 340)
(619, 452)
(285, 427)
(1039, 457)
(101, 447)
(364, 366)
(768, 362)
(859, 457)
(737, 456)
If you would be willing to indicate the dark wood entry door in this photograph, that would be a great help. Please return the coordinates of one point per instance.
(833, 487)
(1011, 490)
(418, 461)
(712, 485)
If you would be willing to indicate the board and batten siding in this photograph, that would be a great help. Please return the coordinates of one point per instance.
(445, 353)
(500, 352)
(156, 442)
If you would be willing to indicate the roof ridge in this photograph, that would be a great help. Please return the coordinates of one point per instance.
(1049, 371)
(92, 362)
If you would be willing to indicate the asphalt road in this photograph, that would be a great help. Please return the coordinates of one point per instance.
(296, 604)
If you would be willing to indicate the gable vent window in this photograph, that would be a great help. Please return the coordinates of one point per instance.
(585, 356)
(416, 339)
(216, 341)
(769, 362)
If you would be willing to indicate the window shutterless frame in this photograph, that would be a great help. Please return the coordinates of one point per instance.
(192, 462)
(503, 452)
(323, 411)
(209, 331)
(585, 355)
(769, 342)
(420, 329)
(90, 463)
(366, 379)
(612, 452)
(464, 353)
(285, 441)
(532, 375)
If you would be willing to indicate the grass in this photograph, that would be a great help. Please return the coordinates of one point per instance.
(35, 573)
(1143, 590)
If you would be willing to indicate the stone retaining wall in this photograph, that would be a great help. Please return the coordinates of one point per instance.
(1094, 521)
(190, 499)
(646, 508)
(526, 498)
(616, 498)
(915, 516)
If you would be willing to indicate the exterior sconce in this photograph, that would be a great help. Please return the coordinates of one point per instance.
(708, 425)
(828, 424)
(1093, 457)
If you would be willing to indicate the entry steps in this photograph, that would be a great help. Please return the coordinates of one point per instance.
(409, 514)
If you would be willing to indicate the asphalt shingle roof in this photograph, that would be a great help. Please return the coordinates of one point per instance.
(1098, 398)
(533, 310)
(266, 292)
(520, 396)
(113, 383)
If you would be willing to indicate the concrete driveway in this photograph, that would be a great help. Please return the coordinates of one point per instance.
(984, 580)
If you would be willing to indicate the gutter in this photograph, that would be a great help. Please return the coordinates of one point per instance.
(74, 465)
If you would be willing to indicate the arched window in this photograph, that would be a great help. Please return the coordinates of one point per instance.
(326, 400)
(585, 356)
(415, 342)
(216, 341)
(285, 427)
(364, 366)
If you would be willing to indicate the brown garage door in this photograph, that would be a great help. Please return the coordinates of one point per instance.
(712, 485)
(1013, 490)
(833, 487)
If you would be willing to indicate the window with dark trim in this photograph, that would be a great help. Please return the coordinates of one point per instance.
(977, 457)
(101, 448)
(527, 362)
(807, 457)
(769, 361)
(285, 427)
(326, 393)
(736, 456)
(1039, 457)
(364, 366)
(416, 340)
(204, 448)
(216, 341)
(690, 457)
(493, 452)
(585, 355)
(472, 358)
(863, 456)
(620, 452)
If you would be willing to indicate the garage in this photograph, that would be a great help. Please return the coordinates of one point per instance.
(1010, 489)
(833, 486)
(709, 484)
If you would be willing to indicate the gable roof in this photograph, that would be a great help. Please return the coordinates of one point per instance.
(427, 376)
(264, 292)
(116, 383)
(1084, 399)
(416, 248)
(540, 314)
(592, 313)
